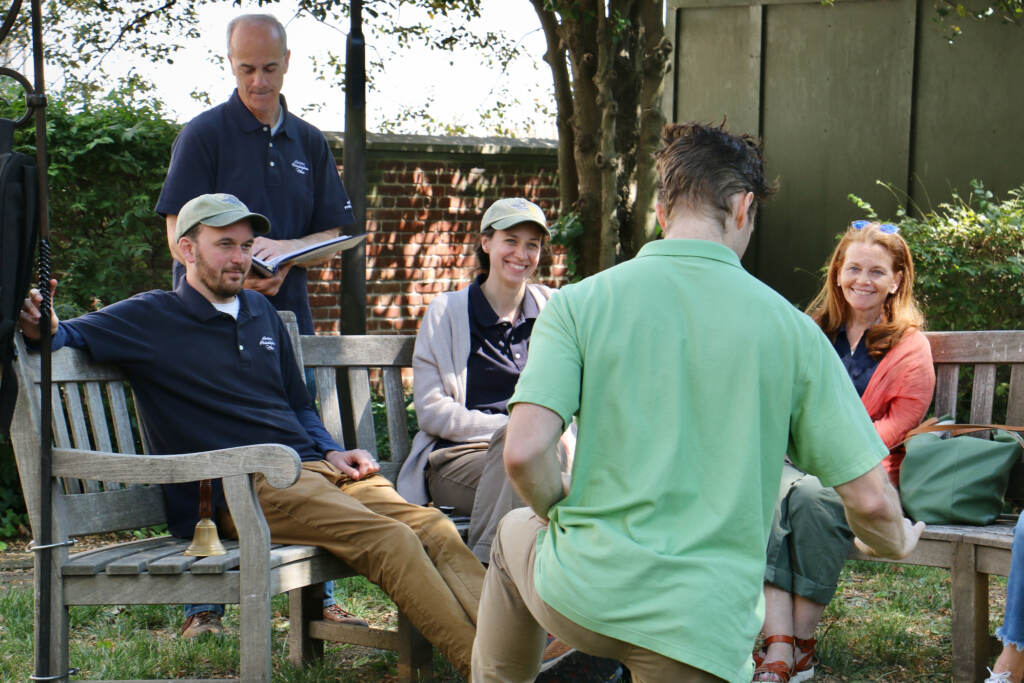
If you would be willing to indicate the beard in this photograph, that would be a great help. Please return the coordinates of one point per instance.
(217, 280)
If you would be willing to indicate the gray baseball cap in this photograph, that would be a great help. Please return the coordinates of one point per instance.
(218, 210)
(505, 213)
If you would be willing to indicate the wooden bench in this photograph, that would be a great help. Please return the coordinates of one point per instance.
(973, 553)
(102, 482)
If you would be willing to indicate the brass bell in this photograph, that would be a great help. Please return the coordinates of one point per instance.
(205, 541)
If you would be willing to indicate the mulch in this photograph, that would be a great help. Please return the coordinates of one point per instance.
(16, 560)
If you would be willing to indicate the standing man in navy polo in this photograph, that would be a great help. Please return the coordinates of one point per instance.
(254, 148)
(279, 165)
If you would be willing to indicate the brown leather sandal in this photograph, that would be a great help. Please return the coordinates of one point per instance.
(804, 660)
(777, 668)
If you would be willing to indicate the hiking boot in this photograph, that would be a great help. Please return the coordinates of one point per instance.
(337, 615)
(200, 623)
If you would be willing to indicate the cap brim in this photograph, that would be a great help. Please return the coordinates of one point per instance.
(260, 223)
(511, 221)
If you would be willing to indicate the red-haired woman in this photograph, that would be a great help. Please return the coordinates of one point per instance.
(866, 307)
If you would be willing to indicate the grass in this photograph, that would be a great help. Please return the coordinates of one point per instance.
(139, 641)
(887, 623)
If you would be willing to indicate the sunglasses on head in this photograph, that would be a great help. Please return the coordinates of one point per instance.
(887, 228)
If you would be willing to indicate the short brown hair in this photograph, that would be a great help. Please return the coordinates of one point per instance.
(701, 166)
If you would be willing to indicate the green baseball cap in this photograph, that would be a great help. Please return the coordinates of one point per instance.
(218, 210)
(505, 213)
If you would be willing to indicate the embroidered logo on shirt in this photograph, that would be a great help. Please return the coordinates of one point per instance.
(300, 167)
(268, 343)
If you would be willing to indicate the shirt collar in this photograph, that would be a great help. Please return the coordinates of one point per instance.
(248, 123)
(481, 311)
(199, 308)
(694, 248)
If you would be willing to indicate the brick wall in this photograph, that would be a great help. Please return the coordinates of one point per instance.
(425, 198)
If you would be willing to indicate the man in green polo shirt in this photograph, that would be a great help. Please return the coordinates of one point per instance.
(690, 380)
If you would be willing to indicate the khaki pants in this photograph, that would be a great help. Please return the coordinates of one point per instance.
(414, 553)
(510, 634)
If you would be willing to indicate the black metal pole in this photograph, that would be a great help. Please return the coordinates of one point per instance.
(43, 564)
(353, 261)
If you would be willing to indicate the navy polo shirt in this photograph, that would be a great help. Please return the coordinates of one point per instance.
(290, 177)
(203, 380)
(858, 363)
(497, 353)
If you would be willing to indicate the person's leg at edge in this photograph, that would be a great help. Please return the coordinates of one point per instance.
(196, 609)
(495, 497)
(1011, 633)
(440, 600)
(513, 620)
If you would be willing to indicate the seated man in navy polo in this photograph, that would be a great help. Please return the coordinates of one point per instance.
(212, 366)
(252, 147)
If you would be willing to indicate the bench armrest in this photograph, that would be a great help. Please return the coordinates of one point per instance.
(279, 464)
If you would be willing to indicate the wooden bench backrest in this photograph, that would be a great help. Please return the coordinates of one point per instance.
(344, 366)
(985, 352)
(93, 410)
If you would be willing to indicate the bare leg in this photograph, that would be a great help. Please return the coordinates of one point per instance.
(1010, 659)
(778, 621)
(806, 615)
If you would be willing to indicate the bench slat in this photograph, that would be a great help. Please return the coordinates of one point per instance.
(362, 409)
(1015, 402)
(330, 407)
(947, 377)
(983, 393)
(112, 510)
(122, 420)
(91, 562)
(987, 346)
(398, 424)
(138, 563)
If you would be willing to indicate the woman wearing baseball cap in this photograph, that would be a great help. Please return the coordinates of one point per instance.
(470, 349)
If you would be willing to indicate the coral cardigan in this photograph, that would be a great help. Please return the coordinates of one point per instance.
(899, 394)
(439, 362)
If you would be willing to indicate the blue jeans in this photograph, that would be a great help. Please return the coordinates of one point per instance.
(1012, 630)
(219, 609)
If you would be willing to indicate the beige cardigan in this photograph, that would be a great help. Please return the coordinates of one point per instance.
(439, 362)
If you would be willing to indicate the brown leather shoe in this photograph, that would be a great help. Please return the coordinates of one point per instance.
(339, 616)
(201, 623)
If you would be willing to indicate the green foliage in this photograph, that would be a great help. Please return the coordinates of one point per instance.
(968, 259)
(950, 14)
(567, 232)
(12, 504)
(106, 164)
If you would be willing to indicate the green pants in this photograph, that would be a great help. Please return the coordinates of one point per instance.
(810, 538)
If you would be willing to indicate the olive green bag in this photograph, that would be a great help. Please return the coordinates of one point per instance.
(959, 479)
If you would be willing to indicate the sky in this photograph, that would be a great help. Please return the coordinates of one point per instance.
(413, 75)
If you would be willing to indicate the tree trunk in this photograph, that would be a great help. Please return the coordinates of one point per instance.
(568, 180)
(579, 34)
(606, 159)
(656, 51)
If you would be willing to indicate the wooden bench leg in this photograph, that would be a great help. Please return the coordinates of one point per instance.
(415, 653)
(970, 616)
(304, 605)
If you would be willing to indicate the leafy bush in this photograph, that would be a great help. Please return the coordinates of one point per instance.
(968, 259)
(106, 165)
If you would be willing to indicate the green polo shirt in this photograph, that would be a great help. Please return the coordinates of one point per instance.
(691, 380)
